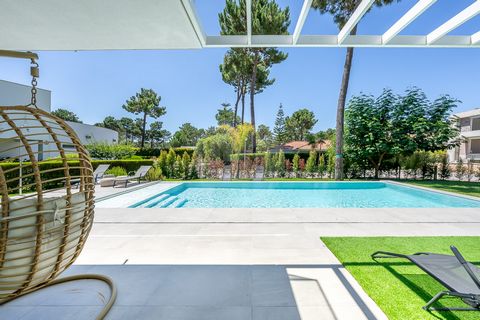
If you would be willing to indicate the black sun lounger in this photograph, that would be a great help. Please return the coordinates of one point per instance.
(459, 277)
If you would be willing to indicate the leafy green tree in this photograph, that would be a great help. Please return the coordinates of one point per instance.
(147, 103)
(311, 166)
(298, 126)
(66, 115)
(280, 130)
(389, 126)
(156, 134)
(460, 170)
(268, 166)
(264, 138)
(280, 164)
(128, 127)
(296, 164)
(110, 123)
(267, 18)
(218, 146)
(170, 163)
(226, 116)
(341, 10)
(187, 135)
(179, 169)
(325, 134)
(321, 165)
(185, 165)
(444, 167)
(162, 162)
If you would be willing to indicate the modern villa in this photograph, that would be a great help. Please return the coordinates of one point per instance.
(469, 125)
(17, 94)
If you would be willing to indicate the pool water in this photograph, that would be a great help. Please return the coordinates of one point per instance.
(301, 195)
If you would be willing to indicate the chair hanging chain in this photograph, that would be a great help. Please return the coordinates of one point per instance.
(34, 71)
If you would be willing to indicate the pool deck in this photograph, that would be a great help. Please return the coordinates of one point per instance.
(245, 264)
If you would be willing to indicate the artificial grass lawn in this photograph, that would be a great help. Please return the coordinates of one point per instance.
(398, 287)
(462, 187)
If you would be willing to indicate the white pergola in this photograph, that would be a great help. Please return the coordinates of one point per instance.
(174, 24)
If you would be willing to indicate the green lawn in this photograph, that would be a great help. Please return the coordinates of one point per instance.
(397, 286)
(462, 187)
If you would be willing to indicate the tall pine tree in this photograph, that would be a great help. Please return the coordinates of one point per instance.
(280, 129)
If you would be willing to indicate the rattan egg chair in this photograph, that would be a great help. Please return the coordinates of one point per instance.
(47, 199)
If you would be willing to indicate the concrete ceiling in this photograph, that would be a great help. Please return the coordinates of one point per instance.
(95, 25)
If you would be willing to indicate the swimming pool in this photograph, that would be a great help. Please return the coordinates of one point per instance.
(301, 195)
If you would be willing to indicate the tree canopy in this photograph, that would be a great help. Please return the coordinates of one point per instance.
(267, 18)
(392, 125)
(226, 116)
(66, 115)
(280, 130)
(298, 125)
(187, 135)
(147, 103)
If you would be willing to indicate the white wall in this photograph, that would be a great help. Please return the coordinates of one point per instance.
(14, 94)
(88, 133)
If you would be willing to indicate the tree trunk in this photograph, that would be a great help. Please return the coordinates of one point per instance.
(236, 108)
(143, 129)
(243, 103)
(253, 82)
(341, 111)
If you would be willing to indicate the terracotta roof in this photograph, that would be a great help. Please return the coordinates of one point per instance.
(301, 146)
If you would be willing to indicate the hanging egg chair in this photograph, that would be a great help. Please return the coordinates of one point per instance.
(47, 198)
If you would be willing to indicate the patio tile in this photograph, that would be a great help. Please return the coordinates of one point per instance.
(203, 286)
(180, 313)
(277, 313)
(271, 287)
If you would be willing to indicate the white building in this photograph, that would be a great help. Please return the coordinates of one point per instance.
(12, 94)
(468, 123)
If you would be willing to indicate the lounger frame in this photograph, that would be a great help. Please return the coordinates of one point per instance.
(468, 298)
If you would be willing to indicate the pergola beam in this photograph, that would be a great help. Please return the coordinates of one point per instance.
(406, 19)
(354, 19)
(248, 8)
(402, 41)
(476, 38)
(192, 15)
(462, 17)
(301, 20)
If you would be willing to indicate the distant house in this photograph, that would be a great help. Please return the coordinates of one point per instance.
(301, 147)
(12, 94)
(469, 125)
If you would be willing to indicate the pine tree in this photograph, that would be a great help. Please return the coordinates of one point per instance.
(280, 130)
(171, 157)
(185, 165)
(280, 164)
(296, 164)
(311, 162)
(321, 165)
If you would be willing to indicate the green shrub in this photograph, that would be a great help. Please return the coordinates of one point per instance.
(117, 171)
(53, 172)
(154, 174)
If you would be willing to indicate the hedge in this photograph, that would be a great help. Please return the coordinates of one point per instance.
(155, 152)
(55, 171)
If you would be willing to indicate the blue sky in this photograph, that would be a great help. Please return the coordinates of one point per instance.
(96, 84)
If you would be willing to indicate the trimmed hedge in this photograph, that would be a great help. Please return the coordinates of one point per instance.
(155, 152)
(54, 171)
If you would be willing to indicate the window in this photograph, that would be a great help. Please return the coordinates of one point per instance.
(476, 123)
(475, 146)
